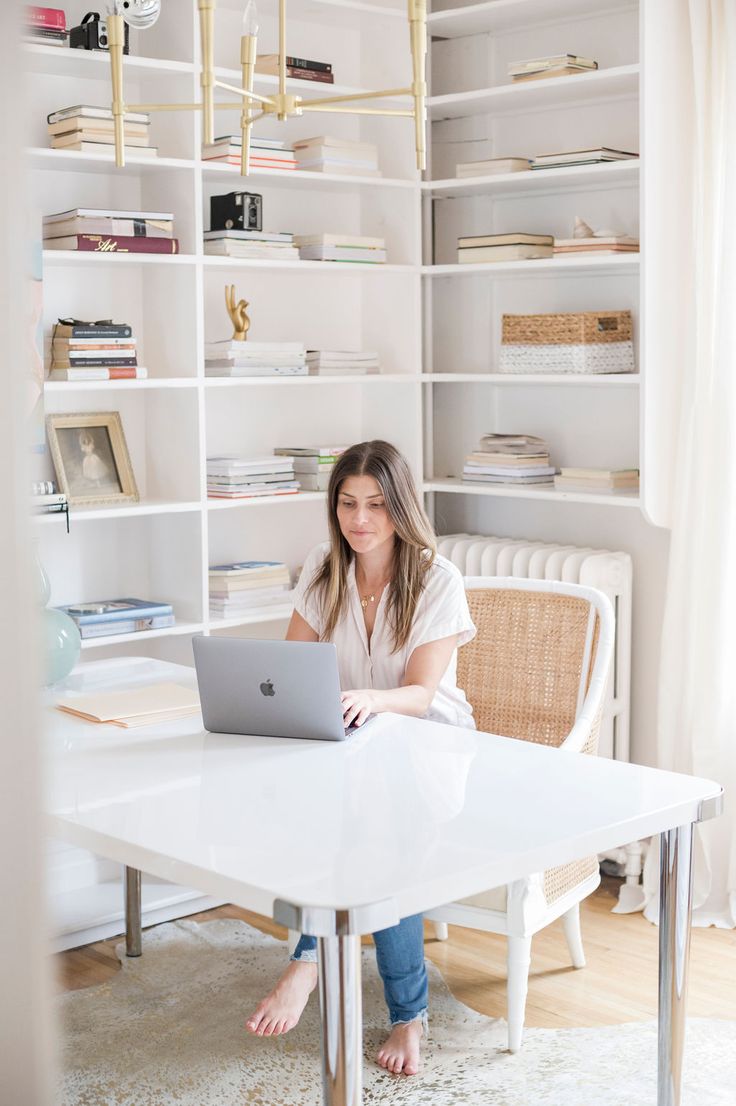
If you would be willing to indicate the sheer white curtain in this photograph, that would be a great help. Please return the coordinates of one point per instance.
(697, 692)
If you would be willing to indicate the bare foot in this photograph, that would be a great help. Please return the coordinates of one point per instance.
(400, 1051)
(282, 1008)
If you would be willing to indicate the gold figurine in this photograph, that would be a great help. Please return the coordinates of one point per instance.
(237, 313)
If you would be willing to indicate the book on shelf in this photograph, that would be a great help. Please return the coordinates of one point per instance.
(362, 241)
(520, 252)
(127, 626)
(269, 154)
(250, 249)
(252, 368)
(131, 372)
(226, 608)
(101, 146)
(52, 19)
(248, 570)
(227, 465)
(597, 480)
(45, 36)
(141, 706)
(105, 224)
(252, 491)
(115, 610)
(592, 156)
(76, 328)
(245, 477)
(269, 63)
(513, 238)
(79, 345)
(108, 213)
(43, 487)
(500, 457)
(238, 587)
(492, 165)
(514, 444)
(546, 74)
(517, 479)
(313, 466)
(92, 111)
(94, 127)
(345, 362)
(519, 459)
(328, 154)
(51, 499)
(284, 237)
(95, 362)
(104, 243)
(621, 243)
(550, 65)
(326, 452)
(315, 481)
(347, 254)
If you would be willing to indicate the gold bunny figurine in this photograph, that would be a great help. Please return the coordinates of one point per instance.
(237, 313)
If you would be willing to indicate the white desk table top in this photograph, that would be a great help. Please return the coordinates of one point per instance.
(413, 812)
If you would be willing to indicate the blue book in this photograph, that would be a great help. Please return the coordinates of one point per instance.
(115, 610)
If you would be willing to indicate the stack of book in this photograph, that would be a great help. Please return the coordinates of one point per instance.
(515, 246)
(615, 243)
(232, 477)
(45, 25)
(302, 69)
(233, 358)
(552, 65)
(326, 154)
(94, 351)
(518, 459)
(45, 498)
(341, 362)
(255, 244)
(91, 130)
(119, 616)
(598, 155)
(341, 247)
(492, 165)
(265, 153)
(606, 481)
(105, 230)
(313, 465)
(243, 586)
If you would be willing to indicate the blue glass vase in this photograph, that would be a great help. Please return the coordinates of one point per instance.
(60, 636)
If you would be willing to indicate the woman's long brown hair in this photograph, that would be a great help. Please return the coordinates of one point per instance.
(415, 544)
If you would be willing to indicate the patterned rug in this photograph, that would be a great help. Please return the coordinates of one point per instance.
(168, 1029)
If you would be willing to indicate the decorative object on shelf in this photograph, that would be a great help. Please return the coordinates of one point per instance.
(519, 459)
(61, 641)
(236, 211)
(573, 342)
(90, 130)
(237, 313)
(586, 240)
(120, 616)
(516, 246)
(91, 458)
(282, 105)
(553, 65)
(92, 34)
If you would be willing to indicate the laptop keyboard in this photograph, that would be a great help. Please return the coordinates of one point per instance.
(349, 730)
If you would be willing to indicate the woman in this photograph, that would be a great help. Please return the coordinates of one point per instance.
(397, 613)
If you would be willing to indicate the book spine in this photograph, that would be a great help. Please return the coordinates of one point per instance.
(56, 34)
(53, 19)
(309, 75)
(95, 362)
(98, 243)
(306, 63)
(127, 626)
(92, 331)
(120, 616)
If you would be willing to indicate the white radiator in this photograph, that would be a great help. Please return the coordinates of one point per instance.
(482, 555)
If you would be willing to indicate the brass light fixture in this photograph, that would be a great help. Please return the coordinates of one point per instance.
(282, 105)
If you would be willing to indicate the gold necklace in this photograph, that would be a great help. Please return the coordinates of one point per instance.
(366, 599)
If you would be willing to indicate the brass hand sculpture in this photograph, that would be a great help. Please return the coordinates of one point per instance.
(237, 313)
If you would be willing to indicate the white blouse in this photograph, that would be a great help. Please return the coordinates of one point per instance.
(442, 611)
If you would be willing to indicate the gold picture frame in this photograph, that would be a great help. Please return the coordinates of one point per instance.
(91, 459)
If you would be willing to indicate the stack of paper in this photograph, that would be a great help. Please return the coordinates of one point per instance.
(245, 477)
(233, 358)
(141, 706)
(339, 362)
(341, 247)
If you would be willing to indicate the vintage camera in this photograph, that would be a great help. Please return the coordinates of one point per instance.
(236, 211)
(91, 34)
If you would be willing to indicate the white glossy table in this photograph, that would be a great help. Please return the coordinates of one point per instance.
(338, 840)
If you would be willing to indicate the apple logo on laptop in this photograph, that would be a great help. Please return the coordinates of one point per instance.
(267, 688)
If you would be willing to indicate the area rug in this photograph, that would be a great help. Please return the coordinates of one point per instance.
(167, 1030)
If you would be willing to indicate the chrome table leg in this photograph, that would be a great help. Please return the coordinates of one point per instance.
(132, 911)
(342, 1021)
(675, 915)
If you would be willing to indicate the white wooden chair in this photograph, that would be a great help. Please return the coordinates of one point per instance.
(537, 671)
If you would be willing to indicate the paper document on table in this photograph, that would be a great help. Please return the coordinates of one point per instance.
(137, 707)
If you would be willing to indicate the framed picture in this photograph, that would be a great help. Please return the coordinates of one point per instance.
(91, 459)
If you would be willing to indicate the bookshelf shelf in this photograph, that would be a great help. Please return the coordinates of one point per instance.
(63, 387)
(178, 630)
(372, 380)
(544, 95)
(265, 501)
(82, 257)
(562, 380)
(508, 15)
(73, 161)
(324, 182)
(150, 507)
(538, 181)
(334, 268)
(255, 618)
(456, 486)
(94, 64)
(554, 266)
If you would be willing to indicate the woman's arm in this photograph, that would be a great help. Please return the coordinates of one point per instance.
(427, 665)
(300, 630)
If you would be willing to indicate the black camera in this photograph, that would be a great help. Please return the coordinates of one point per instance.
(236, 211)
(91, 34)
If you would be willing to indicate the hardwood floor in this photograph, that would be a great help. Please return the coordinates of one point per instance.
(619, 983)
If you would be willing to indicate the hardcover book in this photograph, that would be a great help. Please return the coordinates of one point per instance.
(115, 610)
(100, 243)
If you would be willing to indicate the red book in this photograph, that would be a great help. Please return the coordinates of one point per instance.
(119, 373)
(310, 75)
(110, 243)
(52, 19)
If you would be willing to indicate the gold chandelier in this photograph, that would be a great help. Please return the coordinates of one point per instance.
(282, 105)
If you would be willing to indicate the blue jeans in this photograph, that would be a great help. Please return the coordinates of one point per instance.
(400, 958)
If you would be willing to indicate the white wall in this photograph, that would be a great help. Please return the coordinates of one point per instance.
(23, 1070)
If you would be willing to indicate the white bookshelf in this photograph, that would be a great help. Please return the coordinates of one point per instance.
(160, 548)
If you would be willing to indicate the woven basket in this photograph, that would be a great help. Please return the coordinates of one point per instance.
(572, 342)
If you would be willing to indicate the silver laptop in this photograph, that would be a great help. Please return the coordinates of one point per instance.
(270, 688)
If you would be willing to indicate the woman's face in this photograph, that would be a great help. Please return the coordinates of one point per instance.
(362, 515)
